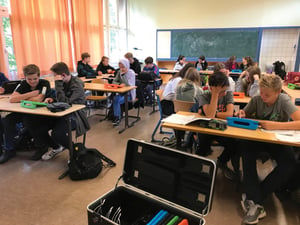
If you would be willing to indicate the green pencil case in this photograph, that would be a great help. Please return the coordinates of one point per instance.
(32, 105)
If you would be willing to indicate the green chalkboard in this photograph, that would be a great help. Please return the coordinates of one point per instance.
(216, 43)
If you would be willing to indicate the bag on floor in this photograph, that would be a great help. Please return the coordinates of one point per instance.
(85, 163)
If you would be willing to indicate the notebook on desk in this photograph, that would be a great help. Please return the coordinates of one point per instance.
(10, 86)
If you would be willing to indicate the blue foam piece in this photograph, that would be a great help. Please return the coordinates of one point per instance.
(236, 71)
(242, 123)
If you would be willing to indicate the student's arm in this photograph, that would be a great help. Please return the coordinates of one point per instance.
(293, 125)
(228, 113)
(31, 96)
(211, 109)
(117, 79)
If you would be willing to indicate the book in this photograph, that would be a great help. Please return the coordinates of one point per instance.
(184, 119)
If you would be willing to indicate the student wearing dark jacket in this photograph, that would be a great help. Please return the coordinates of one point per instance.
(134, 62)
(104, 66)
(68, 89)
(83, 67)
(201, 64)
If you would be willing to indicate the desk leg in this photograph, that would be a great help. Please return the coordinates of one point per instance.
(69, 121)
(126, 112)
(153, 98)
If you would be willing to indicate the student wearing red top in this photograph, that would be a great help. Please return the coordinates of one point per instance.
(231, 63)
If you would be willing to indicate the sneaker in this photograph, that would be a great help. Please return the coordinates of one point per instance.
(254, 213)
(116, 122)
(245, 203)
(53, 152)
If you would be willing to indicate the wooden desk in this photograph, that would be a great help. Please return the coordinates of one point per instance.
(5, 105)
(103, 76)
(292, 93)
(232, 132)
(244, 100)
(122, 90)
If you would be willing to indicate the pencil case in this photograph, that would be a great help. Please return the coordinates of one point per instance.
(242, 123)
(297, 101)
(112, 86)
(293, 86)
(238, 94)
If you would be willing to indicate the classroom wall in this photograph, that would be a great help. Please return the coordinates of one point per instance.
(147, 16)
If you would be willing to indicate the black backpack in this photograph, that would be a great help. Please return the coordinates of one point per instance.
(279, 69)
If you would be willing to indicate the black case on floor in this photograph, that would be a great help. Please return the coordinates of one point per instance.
(155, 178)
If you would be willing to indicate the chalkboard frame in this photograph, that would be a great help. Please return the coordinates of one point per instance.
(213, 59)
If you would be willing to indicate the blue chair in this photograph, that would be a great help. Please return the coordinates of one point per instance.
(158, 97)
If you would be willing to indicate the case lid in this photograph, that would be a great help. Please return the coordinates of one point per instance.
(178, 177)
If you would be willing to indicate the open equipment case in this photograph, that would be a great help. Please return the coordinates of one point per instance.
(157, 179)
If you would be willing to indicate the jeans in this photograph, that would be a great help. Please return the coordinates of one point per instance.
(117, 102)
(283, 155)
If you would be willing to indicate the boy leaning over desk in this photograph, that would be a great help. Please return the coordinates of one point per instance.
(274, 110)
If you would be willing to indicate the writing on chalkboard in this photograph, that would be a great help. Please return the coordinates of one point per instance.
(215, 43)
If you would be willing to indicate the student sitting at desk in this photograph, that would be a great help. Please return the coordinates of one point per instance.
(221, 67)
(217, 102)
(201, 64)
(189, 90)
(273, 109)
(231, 63)
(104, 66)
(83, 67)
(179, 63)
(134, 62)
(248, 81)
(170, 90)
(2, 80)
(29, 89)
(125, 77)
(152, 69)
(68, 89)
(247, 61)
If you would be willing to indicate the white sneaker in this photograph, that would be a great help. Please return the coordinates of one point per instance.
(53, 152)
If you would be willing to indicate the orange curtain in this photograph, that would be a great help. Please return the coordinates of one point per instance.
(40, 30)
(88, 29)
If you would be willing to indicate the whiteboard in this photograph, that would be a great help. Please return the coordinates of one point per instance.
(163, 44)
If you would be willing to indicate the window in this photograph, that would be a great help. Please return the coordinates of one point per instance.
(115, 29)
(8, 49)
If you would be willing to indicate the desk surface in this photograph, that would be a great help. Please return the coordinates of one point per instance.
(292, 93)
(233, 132)
(5, 105)
(100, 87)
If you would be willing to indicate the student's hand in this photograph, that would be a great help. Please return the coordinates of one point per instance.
(1, 90)
(216, 90)
(200, 111)
(123, 85)
(109, 71)
(243, 74)
(100, 73)
(48, 100)
(268, 125)
(256, 77)
(240, 114)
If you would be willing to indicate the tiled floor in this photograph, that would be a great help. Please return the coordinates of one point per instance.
(31, 194)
